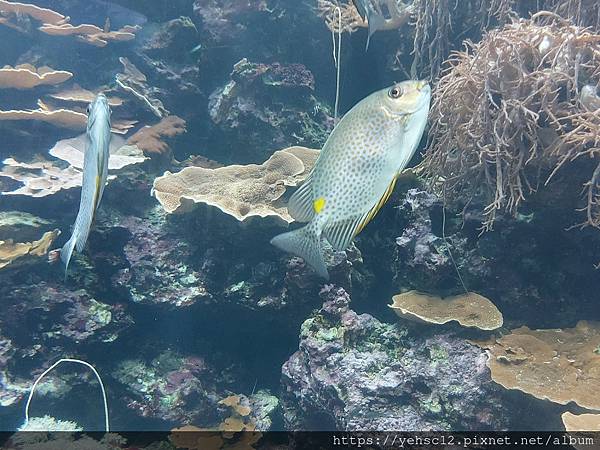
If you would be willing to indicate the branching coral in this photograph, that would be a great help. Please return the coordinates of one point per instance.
(506, 114)
(150, 139)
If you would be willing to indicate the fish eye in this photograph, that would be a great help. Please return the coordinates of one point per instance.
(396, 92)
(88, 109)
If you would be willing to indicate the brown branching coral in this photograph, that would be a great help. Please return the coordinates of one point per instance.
(150, 139)
(507, 114)
(397, 14)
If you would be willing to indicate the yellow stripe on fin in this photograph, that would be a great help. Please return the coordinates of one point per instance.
(319, 204)
(373, 212)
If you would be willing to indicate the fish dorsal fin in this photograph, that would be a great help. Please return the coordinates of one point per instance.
(373, 212)
(300, 205)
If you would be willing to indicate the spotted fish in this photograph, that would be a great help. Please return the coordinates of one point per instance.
(356, 170)
(95, 172)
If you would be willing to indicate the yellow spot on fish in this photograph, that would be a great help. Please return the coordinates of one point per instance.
(319, 204)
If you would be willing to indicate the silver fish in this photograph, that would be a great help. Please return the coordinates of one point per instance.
(356, 170)
(95, 172)
(374, 20)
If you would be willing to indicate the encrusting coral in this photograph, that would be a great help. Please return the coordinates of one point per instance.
(238, 190)
(470, 309)
(507, 116)
(560, 365)
(26, 76)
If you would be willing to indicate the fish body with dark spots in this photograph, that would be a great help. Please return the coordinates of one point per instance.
(356, 170)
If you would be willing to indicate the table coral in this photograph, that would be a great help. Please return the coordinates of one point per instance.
(241, 191)
(470, 309)
(560, 365)
(26, 76)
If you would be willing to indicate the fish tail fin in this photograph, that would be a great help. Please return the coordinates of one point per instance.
(306, 243)
(66, 252)
(375, 22)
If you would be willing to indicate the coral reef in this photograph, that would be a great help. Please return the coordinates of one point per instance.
(271, 104)
(157, 266)
(506, 114)
(353, 372)
(470, 309)
(171, 387)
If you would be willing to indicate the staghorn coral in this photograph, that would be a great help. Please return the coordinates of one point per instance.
(26, 76)
(506, 114)
(149, 139)
(560, 365)
(240, 191)
(398, 14)
(470, 309)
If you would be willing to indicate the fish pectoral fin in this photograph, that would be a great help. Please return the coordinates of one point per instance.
(373, 212)
(301, 204)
